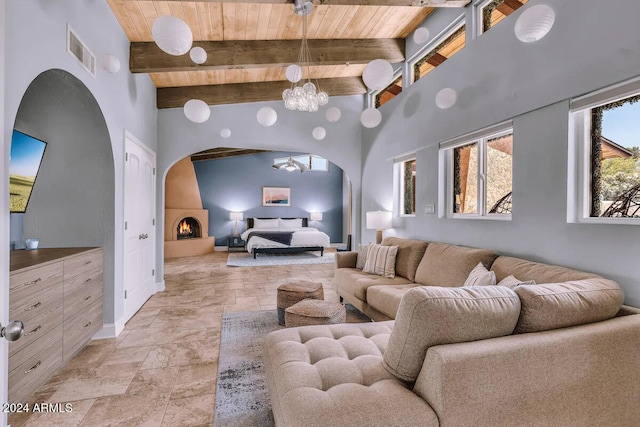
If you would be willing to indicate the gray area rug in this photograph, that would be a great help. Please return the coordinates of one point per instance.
(242, 398)
(245, 259)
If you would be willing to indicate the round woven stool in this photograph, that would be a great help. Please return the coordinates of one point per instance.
(314, 312)
(295, 291)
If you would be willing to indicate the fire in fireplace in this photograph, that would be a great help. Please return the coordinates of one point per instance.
(188, 228)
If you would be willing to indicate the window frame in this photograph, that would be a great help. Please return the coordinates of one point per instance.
(372, 94)
(402, 188)
(579, 161)
(478, 8)
(446, 175)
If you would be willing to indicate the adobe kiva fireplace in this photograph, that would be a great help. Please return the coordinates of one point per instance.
(188, 228)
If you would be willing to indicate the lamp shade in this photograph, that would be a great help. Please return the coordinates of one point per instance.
(293, 73)
(333, 114)
(110, 63)
(267, 116)
(534, 23)
(379, 220)
(225, 133)
(236, 215)
(197, 110)
(446, 98)
(421, 35)
(370, 117)
(377, 74)
(198, 55)
(172, 35)
(319, 133)
(315, 216)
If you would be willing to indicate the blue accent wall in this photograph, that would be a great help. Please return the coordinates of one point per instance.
(235, 184)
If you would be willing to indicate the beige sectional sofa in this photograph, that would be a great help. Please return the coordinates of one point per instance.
(564, 352)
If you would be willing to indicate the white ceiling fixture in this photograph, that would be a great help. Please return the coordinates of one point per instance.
(446, 98)
(198, 55)
(290, 165)
(110, 63)
(267, 116)
(319, 133)
(307, 96)
(172, 35)
(421, 35)
(197, 110)
(370, 117)
(377, 74)
(534, 23)
(225, 133)
(333, 114)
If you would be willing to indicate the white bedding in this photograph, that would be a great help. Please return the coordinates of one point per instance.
(302, 236)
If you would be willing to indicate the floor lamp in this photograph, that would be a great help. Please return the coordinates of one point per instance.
(237, 216)
(378, 220)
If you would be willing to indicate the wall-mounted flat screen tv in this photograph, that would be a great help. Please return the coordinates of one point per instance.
(26, 156)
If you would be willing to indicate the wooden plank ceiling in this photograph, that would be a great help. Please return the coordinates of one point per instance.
(250, 44)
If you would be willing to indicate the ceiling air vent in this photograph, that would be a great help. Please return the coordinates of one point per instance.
(80, 52)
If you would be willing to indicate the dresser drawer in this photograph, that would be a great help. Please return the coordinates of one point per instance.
(34, 365)
(80, 293)
(35, 280)
(79, 328)
(46, 317)
(82, 263)
(48, 298)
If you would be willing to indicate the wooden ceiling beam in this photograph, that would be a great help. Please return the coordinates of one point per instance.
(237, 54)
(176, 97)
(419, 3)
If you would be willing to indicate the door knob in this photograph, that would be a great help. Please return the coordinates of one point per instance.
(140, 236)
(13, 331)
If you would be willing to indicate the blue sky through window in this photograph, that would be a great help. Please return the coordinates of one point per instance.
(622, 125)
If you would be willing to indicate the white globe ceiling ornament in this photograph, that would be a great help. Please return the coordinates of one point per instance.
(377, 74)
(534, 23)
(319, 133)
(267, 116)
(293, 73)
(225, 133)
(172, 35)
(110, 63)
(333, 114)
(197, 111)
(370, 117)
(198, 55)
(421, 35)
(446, 98)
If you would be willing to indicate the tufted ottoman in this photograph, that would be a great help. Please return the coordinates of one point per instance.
(314, 312)
(332, 375)
(294, 291)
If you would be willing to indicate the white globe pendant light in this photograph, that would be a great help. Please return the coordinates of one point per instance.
(370, 117)
(377, 74)
(225, 133)
(172, 35)
(293, 73)
(267, 116)
(446, 98)
(421, 35)
(333, 114)
(110, 63)
(198, 55)
(319, 133)
(197, 111)
(534, 23)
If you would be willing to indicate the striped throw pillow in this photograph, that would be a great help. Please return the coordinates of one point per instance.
(480, 276)
(381, 261)
(362, 256)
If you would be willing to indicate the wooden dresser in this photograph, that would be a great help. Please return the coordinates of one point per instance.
(57, 293)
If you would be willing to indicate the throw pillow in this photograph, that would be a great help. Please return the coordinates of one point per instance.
(290, 223)
(265, 223)
(381, 261)
(362, 256)
(511, 282)
(480, 276)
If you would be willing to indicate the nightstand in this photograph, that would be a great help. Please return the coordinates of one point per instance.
(235, 244)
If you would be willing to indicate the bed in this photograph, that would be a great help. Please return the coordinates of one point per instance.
(283, 235)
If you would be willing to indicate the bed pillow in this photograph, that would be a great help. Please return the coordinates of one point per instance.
(511, 282)
(362, 256)
(265, 223)
(290, 223)
(381, 261)
(480, 276)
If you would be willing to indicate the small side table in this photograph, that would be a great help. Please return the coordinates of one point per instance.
(235, 244)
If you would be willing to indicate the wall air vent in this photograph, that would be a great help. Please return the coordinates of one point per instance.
(80, 51)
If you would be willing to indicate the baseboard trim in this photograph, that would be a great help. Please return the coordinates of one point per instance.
(160, 286)
(109, 330)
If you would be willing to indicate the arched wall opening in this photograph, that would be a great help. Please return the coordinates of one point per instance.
(73, 200)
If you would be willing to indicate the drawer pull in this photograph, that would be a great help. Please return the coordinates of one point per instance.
(87, 262)
(36, 305)
(34, 330)
(33, 282)
(34, 367)
(87, 281)
(87, 298)
(87, 325)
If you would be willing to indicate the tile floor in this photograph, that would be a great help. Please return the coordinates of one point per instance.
(161, 370)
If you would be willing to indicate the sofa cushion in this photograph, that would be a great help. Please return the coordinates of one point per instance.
(433, 315)
(559, 305)
(480, 276)
(386, 299)
(381, 261)
(524, 269)
(449, 265)
(352, 281)
(511, 282)
(363, 250)
(410, 253)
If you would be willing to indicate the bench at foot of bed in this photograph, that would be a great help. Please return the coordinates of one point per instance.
(295, 249)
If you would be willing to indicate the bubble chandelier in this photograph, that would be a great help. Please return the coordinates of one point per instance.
(303, 95)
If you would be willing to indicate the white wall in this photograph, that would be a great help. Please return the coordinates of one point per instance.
(36, 42)
(592, 45)
(178, 137)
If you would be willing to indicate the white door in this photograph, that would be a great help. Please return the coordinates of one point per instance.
(139, 216)
(4, 230)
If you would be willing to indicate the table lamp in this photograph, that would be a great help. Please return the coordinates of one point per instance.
(316, 216)
(237, 216)
(378, 220)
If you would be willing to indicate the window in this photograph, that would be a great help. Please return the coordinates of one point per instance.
(408, 188)
(494, 11)
(313, 162)
(389, 92)
(480, 173)
(606, 134)
(445, 48)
